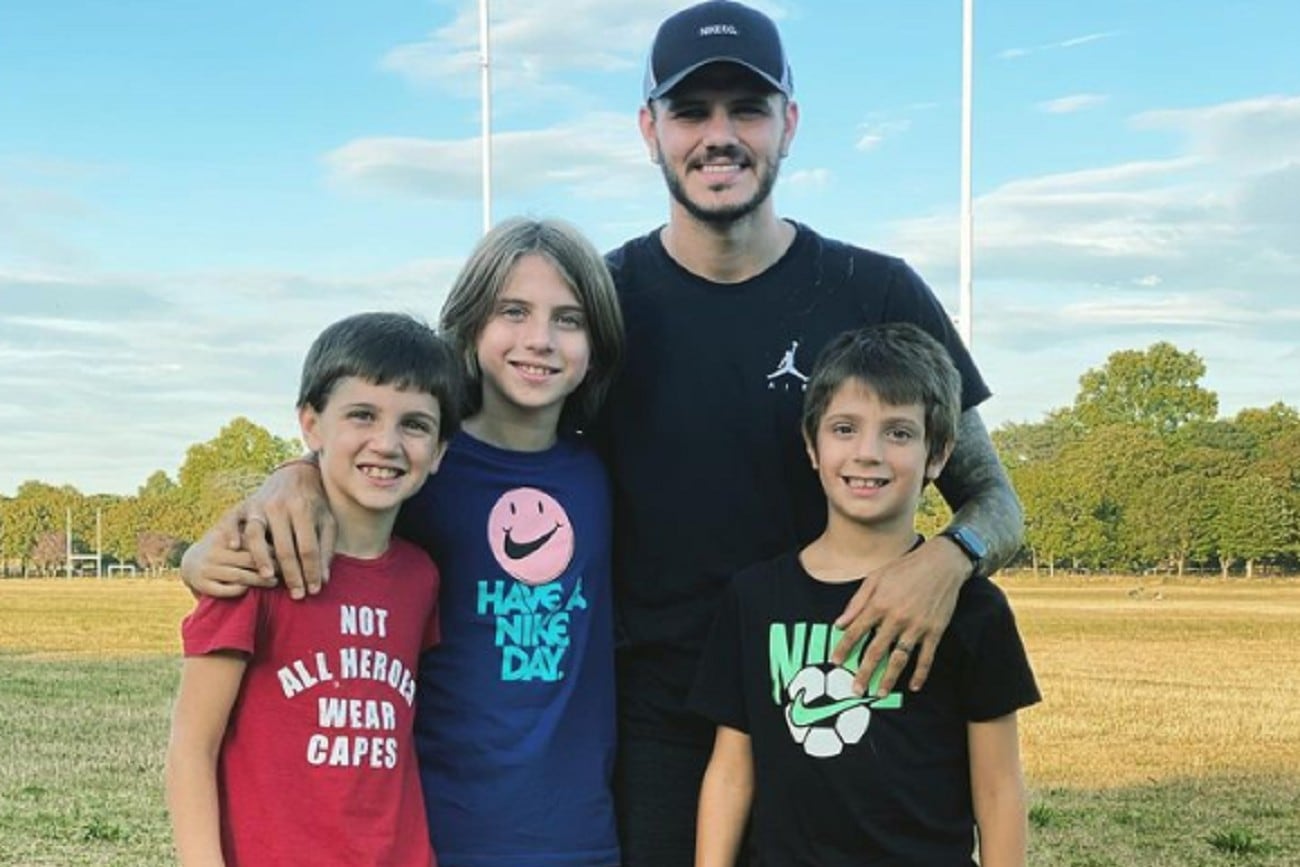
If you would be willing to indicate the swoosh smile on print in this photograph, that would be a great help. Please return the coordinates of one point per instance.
(803, 715)
(519, 550)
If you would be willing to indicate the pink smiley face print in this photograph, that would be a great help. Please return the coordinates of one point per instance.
(530, 535)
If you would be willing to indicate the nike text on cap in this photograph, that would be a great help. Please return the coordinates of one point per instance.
(712, 32)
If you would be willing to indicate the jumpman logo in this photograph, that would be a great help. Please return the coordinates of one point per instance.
(787, 368)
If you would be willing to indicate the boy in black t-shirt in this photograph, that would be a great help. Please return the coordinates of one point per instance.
(833, 777)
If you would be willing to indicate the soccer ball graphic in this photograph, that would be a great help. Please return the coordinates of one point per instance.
(823, 713)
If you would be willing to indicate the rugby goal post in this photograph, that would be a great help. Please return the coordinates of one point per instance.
(97, 558)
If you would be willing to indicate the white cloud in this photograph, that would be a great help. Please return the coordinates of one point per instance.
(600, 155)
(1073, 42)
(1128, 175)
(32, 215)
(1073, 103)
(1261, 133)
(1171, 311)
(60, 327)
(142, 366)
(533, 45)
(872, 134)
(1090, 37)
(532, 42)
(1201, 242)
(807, 179)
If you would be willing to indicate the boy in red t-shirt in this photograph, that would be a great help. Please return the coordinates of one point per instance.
(292, 740)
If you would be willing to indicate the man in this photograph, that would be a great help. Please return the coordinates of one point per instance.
(726, 306)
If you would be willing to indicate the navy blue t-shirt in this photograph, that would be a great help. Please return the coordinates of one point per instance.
(515, 727)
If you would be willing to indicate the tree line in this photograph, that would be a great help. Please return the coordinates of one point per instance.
(1140, 475)
(151, 529)
(1137, 475)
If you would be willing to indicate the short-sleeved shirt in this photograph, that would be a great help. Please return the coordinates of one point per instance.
(843, 780)
(318, 762)
(515, 728)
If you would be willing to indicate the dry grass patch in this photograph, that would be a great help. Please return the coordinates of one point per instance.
(1144, 683)
(1169, 735)
(97, 617)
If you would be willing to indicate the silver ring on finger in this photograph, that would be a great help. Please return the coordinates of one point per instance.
(904, 648)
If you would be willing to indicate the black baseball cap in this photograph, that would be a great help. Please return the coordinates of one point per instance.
(716, 31)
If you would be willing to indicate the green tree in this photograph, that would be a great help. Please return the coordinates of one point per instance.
(219, 473)
(37, 510)
(1276, 448)
(1020, 443)
(1077, 504)
(1264, 443)
(158, 486)
(1255, 522)
(1265, 427)
(932, 513)
(1054, 516)
(5, 556)
(1170, 519)
(1158, 389)
(1106, 470)
(157, 507)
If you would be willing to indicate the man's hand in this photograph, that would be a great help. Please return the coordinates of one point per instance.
(218, 565)
(909, 603)
(285, 528)
(288, 522)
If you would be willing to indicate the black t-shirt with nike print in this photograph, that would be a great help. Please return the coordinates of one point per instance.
(841, 780)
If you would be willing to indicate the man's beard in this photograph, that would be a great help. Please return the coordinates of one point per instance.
(723, 215)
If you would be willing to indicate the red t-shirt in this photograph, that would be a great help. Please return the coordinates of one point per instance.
(318, 763)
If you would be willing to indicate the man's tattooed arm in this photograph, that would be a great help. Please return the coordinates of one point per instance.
(976, 486)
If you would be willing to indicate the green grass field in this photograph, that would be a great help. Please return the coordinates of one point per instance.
(1169, 735)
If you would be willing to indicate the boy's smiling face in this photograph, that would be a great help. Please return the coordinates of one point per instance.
(534, 350)
(872, 459)
(377, 445)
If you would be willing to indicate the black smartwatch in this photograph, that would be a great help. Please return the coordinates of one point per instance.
(970, 543)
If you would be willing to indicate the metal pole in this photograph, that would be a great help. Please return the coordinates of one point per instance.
(485, 99)
(966, 324)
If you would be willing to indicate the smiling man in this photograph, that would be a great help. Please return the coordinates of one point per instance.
(727, 306)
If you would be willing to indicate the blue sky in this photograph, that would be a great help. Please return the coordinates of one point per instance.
(190, 191)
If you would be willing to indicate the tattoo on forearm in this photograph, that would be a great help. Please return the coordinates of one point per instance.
(979, 492)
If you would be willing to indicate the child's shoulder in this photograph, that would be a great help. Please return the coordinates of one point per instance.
(766, 574)
(228, 623)
(979, 592)
(577, 444)
(407, 554)
(469, 452)
(773, 567)
(981, 604)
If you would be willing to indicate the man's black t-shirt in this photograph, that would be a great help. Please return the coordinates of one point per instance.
(702, 433)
